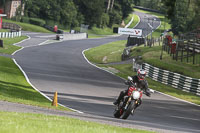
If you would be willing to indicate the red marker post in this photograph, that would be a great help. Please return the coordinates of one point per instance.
(1, 23)
(1, 15)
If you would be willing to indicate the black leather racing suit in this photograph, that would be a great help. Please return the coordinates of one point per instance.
(143, 84)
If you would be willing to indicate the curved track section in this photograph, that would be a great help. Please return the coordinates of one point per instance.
(61, 67)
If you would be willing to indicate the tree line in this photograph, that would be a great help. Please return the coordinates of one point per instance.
(184, 15)
(73, 13)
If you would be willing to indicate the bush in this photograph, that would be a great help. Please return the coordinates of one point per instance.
(37, 21)
(25, 20)
(115, 18)
(105, 20)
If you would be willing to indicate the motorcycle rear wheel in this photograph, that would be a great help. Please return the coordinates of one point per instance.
(128, 111)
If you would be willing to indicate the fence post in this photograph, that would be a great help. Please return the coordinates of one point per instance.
(182, 54)
(193, 54)
(187, 53)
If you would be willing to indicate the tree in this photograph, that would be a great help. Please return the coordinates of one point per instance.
(126, 7)
(92, 11)
(113, 1)
(108, 6)
(170, 6)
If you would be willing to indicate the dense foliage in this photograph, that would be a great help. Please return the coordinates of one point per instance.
(73, 13)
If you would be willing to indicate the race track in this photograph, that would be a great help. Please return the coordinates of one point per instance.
(61, 67)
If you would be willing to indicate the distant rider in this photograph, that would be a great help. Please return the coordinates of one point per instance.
(139, 81)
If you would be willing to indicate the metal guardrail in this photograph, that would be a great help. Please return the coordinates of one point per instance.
(175, 80)
(11, 26)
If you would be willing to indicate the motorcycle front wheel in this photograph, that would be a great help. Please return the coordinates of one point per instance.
(129, 109)
(116, 113)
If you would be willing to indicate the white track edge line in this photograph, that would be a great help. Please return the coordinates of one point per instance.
(138, 21)
(27, 79)
(96, 65)
(178, 99)
(124, 79)
(17, 50)
(22, 41)
(20, 46)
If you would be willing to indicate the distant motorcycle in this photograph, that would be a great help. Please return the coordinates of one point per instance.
(130, 102)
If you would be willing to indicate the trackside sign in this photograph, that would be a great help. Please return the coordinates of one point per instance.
(128, 31)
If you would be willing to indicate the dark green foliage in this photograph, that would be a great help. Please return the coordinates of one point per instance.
(115, 17)
(72, 13)
(185, 17)
(25, 20)
(37, 21)
(126, 6)
(170, 6)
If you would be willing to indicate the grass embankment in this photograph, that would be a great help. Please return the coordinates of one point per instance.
(106, 53)
(164, 22)
(112, 52)
(8, 48)
(29, 27)
(32, 123)
(135, 20)
(100, 32)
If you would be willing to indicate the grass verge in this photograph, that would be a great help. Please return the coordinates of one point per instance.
(100, 32)
(14, 87)
(32, 123)
(149, 55)
(111, 52)
(8, 47)
(4, 30)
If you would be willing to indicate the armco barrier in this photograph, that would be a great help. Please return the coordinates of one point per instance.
(10, 34)
(175, 80)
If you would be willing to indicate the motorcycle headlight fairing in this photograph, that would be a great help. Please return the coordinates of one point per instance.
(136, 94)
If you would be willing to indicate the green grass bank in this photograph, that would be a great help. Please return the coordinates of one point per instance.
(32, 123)
(28, 27)
(111, 52)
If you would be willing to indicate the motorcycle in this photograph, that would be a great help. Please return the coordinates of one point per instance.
(130, 102)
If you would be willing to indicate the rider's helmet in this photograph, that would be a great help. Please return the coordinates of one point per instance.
(141, 74)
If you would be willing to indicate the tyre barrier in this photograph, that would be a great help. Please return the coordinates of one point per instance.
(175, 80)
(10, 34)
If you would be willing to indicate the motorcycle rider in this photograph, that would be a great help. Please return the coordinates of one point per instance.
(140, 82)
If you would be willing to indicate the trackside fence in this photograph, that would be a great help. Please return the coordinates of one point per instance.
(10, 34)
(175, 80)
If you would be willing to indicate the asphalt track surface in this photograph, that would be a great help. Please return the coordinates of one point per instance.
(61, 67)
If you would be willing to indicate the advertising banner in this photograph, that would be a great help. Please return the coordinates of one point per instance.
(128, 31)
